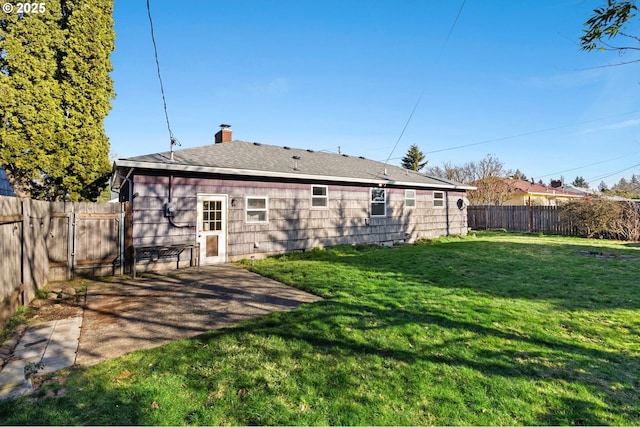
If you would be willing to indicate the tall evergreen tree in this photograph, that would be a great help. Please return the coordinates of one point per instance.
(52, 140)
(580, 182)
(414, 160)
(29, 95)
(519, 175)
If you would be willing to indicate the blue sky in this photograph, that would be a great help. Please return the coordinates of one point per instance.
(508, 79)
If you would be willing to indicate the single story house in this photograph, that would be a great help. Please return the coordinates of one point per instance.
(523, 193)
(236, 199)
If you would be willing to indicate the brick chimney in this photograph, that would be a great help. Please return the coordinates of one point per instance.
(224, 134)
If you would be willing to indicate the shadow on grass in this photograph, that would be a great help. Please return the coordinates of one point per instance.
(551, 272)
(355, 327)
(544, 360)
(95, 405)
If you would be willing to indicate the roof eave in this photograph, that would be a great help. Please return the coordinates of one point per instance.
(267, 174)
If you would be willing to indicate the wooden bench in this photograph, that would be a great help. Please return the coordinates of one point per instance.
(157, 252)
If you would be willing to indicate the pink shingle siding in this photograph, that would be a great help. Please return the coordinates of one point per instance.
(293, 224)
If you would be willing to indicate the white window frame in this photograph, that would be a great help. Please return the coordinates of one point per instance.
(247, 209)
(372, 202)
(324, 197)
(408, 199)
(438, 202)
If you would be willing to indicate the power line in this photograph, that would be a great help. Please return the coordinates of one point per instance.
(405, 127)
(534, 132)
(529, 133)
(164, 101)
(589, 165)
(444, 45)
(455, 22)
(600, 178)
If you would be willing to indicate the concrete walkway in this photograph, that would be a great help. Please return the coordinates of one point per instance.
(45, 347)
(125, 315)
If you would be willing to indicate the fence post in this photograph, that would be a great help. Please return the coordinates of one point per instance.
(22, 253)
(69, 245)
(74, 232)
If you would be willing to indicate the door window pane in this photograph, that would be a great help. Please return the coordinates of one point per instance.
(212, 215)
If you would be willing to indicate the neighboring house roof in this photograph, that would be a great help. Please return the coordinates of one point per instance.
(580, 190)
(5, 186)
(261, 160)
(531, 188)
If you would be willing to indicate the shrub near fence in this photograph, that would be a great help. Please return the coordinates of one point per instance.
(48, 241)
(542, 219)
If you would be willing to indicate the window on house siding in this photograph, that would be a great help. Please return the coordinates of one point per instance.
(438, 199)
(378, 202)
(257, 209)
(410, 198)
(319, 196)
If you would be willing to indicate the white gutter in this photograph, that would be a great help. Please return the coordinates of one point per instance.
(267, 174)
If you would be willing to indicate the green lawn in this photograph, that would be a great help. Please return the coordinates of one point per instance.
(492, 329)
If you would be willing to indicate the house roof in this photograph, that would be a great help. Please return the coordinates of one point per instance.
(528, 187)
(260, 160)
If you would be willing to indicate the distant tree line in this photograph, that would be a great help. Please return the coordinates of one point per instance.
(490, 176)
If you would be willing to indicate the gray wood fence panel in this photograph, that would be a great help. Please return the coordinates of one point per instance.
(541, 219)
(11, 231)
(50, 241)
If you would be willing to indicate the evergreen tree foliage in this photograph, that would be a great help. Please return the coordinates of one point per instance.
(414, 159)
(580, 182)
(519, 175)
(628, 188)
(29, 94)
(55, 91)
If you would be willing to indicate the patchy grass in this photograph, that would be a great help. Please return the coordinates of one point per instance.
(489, 329)
(43, 309)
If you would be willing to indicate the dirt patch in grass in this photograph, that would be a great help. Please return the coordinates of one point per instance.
(52, 303)
(54, 310)
(600, 254)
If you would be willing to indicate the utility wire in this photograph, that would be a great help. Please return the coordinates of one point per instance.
(405, 127)
(589, 165)
(455, 22)
(600, 178)
(164, 101)
(444, 45)
(534, 132)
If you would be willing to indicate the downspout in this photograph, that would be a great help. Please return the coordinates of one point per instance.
(121, 231)
(446, 207)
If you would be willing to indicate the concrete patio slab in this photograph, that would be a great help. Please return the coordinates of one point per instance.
(124, 315)
(45, 347)
(158, 308)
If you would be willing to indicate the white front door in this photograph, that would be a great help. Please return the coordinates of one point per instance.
(212, 228)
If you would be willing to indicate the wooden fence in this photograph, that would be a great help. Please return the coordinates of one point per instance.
(544, 219)
(51, 241)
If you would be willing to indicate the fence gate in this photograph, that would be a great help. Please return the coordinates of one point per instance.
(88, 241)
